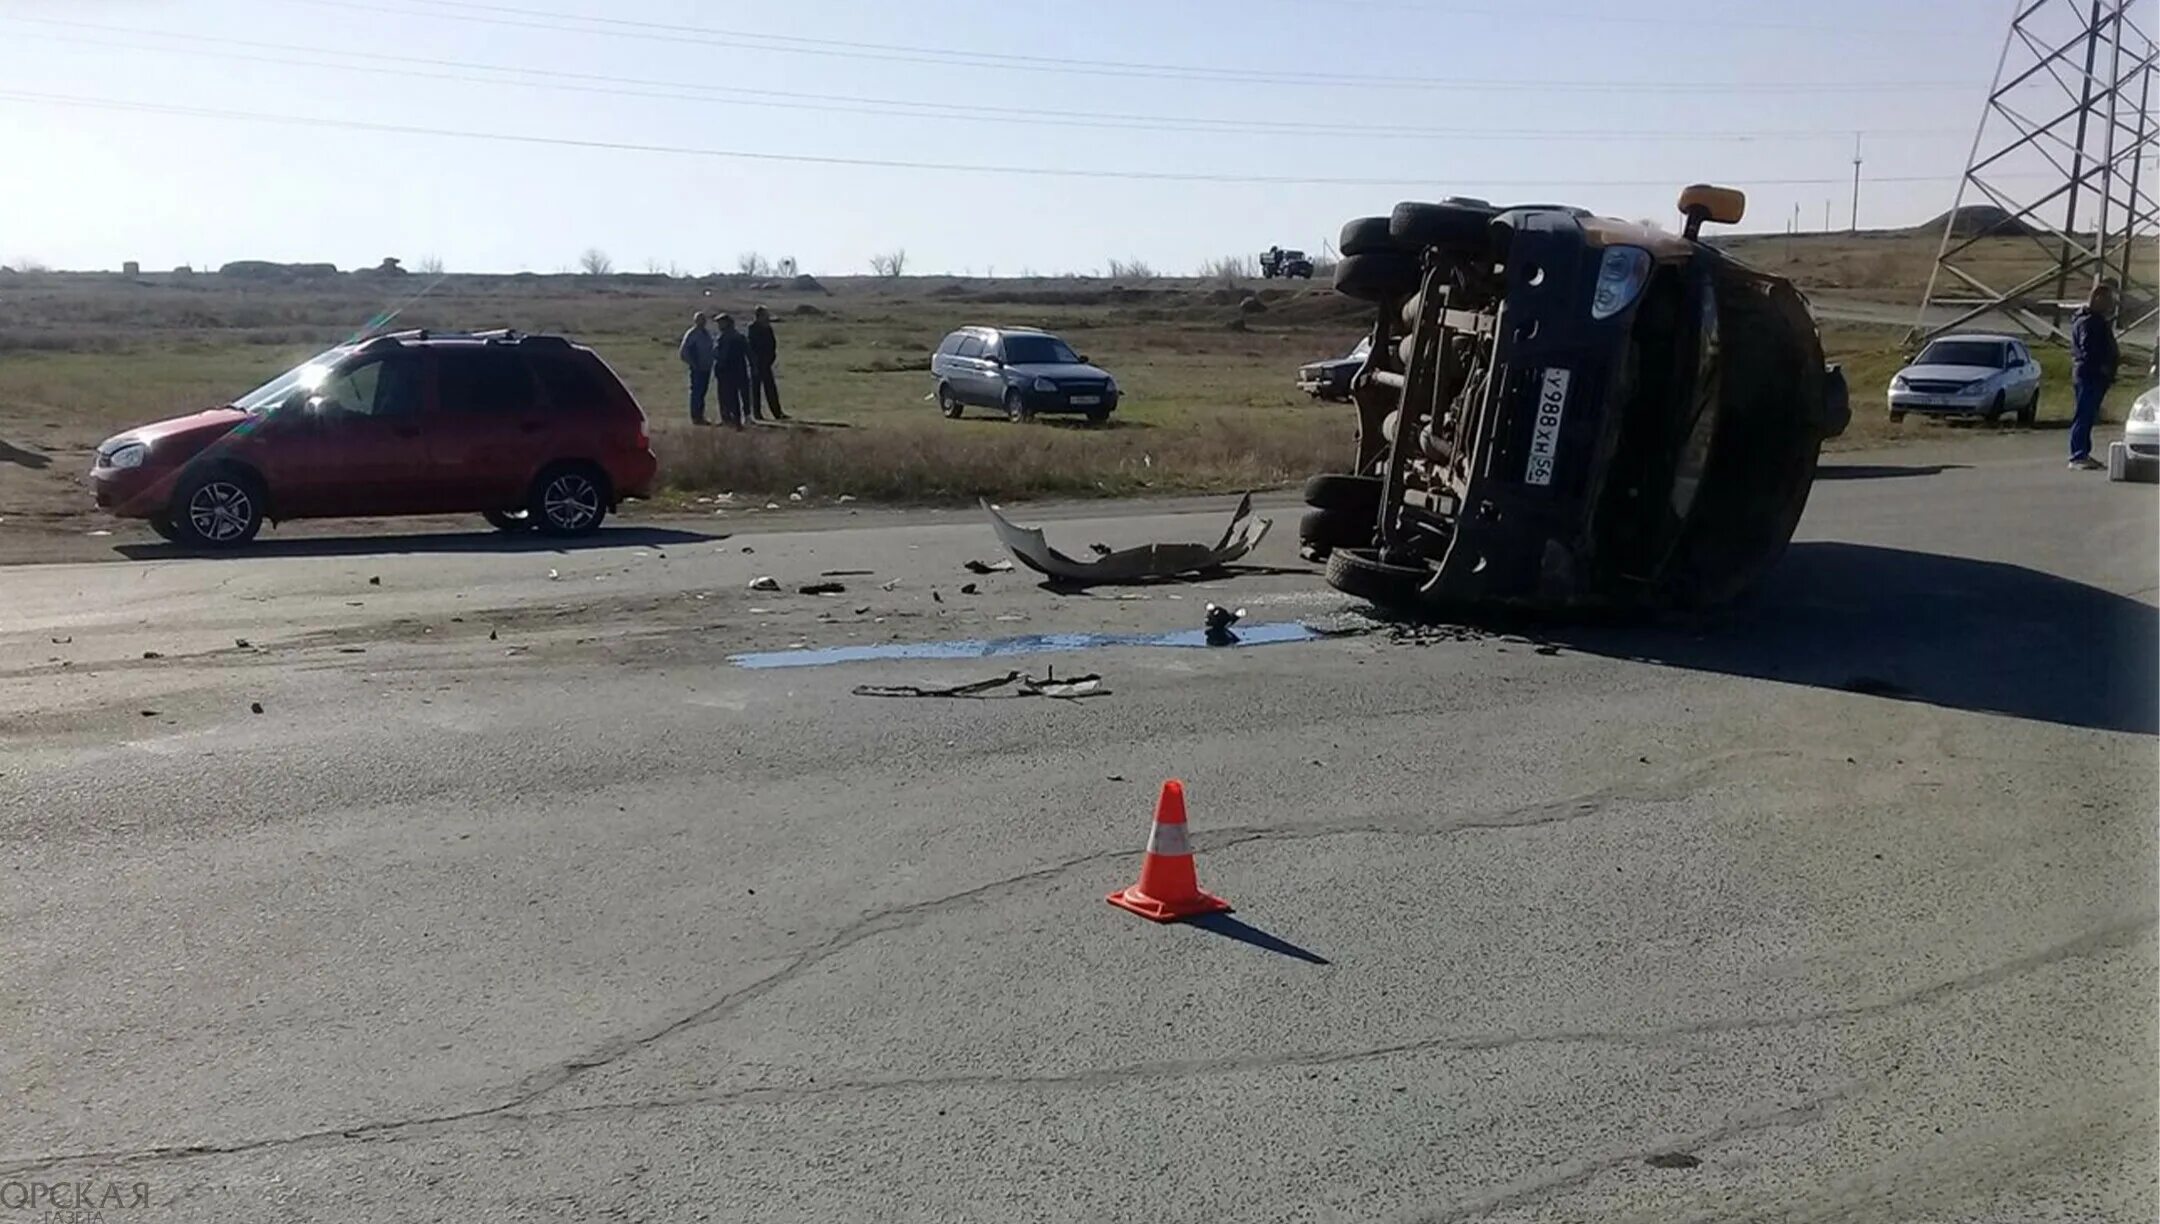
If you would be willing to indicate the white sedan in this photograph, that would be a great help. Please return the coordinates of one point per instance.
(1969, 375)
(2137, 456)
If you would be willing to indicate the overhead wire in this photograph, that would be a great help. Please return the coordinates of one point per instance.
(1174, 176)
(511, 16)
(248, 50)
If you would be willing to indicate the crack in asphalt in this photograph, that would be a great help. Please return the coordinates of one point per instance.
(511, 1112)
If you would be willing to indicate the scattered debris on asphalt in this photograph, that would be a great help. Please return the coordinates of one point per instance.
(148, 713)
(823, 588)
(352, 650)
(746, 548)
(242, 644)
(62, 641)
(887, 586)
(989, 567)
(554, 575)
(936, 598)
(375, 581)
(152, 654)
(1010, 685)
(1673, 1160)
(491, 635)
(969, 588)
(255, 707)
(1148, 562)
(845, 573)
(765, 582)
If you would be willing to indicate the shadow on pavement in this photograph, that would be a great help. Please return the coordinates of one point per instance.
(1232, 928)
(1913, 626)
(1883, 471)
(419, 543)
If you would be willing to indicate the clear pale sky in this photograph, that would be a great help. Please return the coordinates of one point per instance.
(88, 188)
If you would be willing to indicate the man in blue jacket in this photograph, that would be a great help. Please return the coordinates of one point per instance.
(696, 351)
(2093, 357)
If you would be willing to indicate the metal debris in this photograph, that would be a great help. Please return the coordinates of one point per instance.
(1148, 562)
(823, 588)
(989, 567)
(969, 588)
(765, 582)
(845, 573)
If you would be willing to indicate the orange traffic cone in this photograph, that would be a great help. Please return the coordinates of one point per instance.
(1169, 889)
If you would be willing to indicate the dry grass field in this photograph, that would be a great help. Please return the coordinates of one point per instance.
(1209, 402)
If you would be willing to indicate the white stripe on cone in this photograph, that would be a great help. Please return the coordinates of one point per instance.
(1168, 839)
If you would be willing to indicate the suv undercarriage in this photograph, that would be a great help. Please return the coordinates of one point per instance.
(1565, 411)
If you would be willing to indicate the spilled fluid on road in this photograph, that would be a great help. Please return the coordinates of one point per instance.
(1035, 643)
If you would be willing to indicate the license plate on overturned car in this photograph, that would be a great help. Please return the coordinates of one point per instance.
(1545, 431)
(1087, 399)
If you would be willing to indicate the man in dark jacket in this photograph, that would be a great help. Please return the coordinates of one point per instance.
(2093, 357)
(696, 351)
(764, 349)
(731, 371)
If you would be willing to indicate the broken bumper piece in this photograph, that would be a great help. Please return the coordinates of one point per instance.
(1147, 563)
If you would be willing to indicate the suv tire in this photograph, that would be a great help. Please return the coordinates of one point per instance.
(568, 499)
(1353, 495)
(217, 508)
(1378, 276)
(1360, 572)
(1016, 409)
(1367, 235)
(1452, 227)
(948, 403)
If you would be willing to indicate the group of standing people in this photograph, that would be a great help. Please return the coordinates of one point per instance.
(738, 364)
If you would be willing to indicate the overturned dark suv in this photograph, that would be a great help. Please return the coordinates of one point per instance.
(1561, 411)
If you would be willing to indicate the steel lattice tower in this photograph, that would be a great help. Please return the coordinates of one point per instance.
(2061, 151)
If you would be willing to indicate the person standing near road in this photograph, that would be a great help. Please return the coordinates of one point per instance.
(764, 350)
(696, 351)
(2093, 357)
(731, 370)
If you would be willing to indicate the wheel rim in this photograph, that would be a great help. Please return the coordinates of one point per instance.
(220, 511)
(571, 501)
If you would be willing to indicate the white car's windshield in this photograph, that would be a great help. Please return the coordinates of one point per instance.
(308, 374)
(1984, 353)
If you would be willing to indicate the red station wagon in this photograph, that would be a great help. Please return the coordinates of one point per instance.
(531, 431)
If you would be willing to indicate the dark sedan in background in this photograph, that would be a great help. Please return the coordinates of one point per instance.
(1330, 379)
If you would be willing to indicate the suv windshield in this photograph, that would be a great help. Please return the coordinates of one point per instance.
(309, 374)
(1987, 353)
(1039, 350)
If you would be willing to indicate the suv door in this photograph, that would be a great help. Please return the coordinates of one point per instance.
(492, 430)
(358, 448)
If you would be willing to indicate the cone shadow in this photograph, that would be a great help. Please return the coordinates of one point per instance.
(1231, 928)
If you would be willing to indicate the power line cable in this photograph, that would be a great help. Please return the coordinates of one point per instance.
(622, 27)
(1173, 176)
(890, 107)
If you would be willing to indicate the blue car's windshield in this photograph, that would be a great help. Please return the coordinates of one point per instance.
(1039, 350)
(308, 374)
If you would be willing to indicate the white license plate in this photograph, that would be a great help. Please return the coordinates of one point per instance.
(1545, 433)
(1087, 399)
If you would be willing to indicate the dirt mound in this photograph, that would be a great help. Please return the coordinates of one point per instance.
(806, 283)
(1974, 219)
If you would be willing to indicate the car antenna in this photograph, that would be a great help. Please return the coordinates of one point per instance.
(373, 327)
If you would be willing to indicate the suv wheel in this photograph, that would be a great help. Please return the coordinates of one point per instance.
(1378, 276)
(1016, 408)
(508, 520)
(217, 509)
(1361, 573)
(948, 403)
(568, 499)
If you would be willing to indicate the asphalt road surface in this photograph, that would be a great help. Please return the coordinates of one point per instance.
(519, 900)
